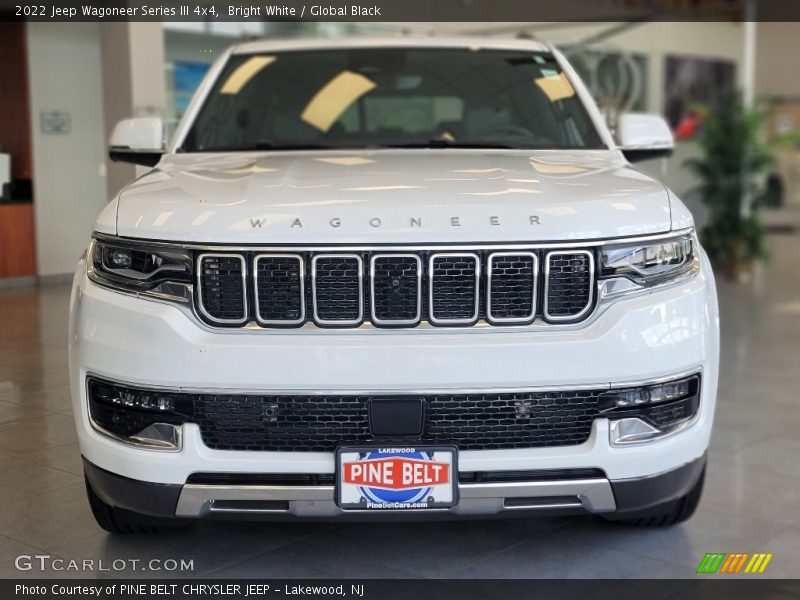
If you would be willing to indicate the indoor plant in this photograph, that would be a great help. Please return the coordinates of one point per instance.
(732, 186)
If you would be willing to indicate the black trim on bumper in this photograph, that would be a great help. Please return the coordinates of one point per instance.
(633, 495)
(143, 497)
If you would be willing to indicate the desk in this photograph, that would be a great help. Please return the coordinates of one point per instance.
(17, 250)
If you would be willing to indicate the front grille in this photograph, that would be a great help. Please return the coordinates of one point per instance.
(393, 289)
(568, 292)
(320, 423)
(280, 297)
(337, 289)
(454, 288)
(222, 293)
(396, 284)
(471, 422)
(298, 423)
(524, 420)
(512, 287)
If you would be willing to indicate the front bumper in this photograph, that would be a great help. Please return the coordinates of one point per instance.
(649, 336)
(542, 494)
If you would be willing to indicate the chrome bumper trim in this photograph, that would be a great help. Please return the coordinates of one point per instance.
(593, 495)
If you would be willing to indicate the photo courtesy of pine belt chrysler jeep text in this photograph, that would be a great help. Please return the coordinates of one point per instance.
(393, 278)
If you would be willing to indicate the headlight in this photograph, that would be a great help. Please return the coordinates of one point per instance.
(650, 263)
(139, 267)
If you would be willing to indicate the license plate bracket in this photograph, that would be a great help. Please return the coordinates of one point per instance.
(396, 478)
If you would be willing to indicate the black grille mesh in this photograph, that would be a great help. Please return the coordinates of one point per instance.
(670, 413)
(569, 285)
(296, 423)
(338, 288)
(454, 288)
(222, 287)
(395, 281)
(318, 423)
(526, 420)
(280, 288)
(512, 287)
(471, 422)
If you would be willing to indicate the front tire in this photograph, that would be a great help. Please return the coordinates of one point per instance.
(124, 522)
(669, 513)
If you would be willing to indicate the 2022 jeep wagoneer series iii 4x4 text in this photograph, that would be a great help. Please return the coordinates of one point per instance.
(382, 278)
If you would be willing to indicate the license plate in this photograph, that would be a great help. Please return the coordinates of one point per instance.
(396, 478)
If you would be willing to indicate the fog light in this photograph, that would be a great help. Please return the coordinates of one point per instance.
(159, 435)
(143, 401)
(148, 418)
(632, 430)
(651, 394)
(633, 397)
(669, 391)
(650, 411)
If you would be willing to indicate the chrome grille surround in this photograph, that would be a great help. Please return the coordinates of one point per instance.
(315, 292)
(200, 284)
(302, 285)
(534, 287)
(432, 281)
(372, 278)
(547, 284)
(513, 273)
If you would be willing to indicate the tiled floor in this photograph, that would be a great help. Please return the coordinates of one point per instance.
(751, 502)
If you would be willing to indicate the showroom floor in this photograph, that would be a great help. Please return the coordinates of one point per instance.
(751, 501)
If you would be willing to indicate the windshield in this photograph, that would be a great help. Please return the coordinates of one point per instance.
(392, 97)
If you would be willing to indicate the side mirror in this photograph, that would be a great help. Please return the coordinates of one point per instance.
(642, 136)
(138, 141)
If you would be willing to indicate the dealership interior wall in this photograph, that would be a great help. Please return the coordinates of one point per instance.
(125, 70)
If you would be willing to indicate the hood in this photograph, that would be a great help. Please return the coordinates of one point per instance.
(393, 196)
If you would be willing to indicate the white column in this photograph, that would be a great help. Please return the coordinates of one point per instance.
(749, 78)
(749, 58)
(133, 82)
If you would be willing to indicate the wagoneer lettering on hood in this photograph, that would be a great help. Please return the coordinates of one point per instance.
(393, 196)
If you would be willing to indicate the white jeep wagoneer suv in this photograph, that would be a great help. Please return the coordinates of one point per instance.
(382, 278)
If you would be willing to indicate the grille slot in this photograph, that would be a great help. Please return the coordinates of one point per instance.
(396, 289)
(337, 289)
(511, 287)
(472, 422)
(569, 285)
(453, 288)
(280, 289)
(222, 297)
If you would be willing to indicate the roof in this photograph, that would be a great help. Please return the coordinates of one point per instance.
(290, 44)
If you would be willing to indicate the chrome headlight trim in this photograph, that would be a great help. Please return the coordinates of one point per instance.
(169, 274)
(630, 267)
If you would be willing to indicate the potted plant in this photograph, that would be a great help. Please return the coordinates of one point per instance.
(732, 185)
